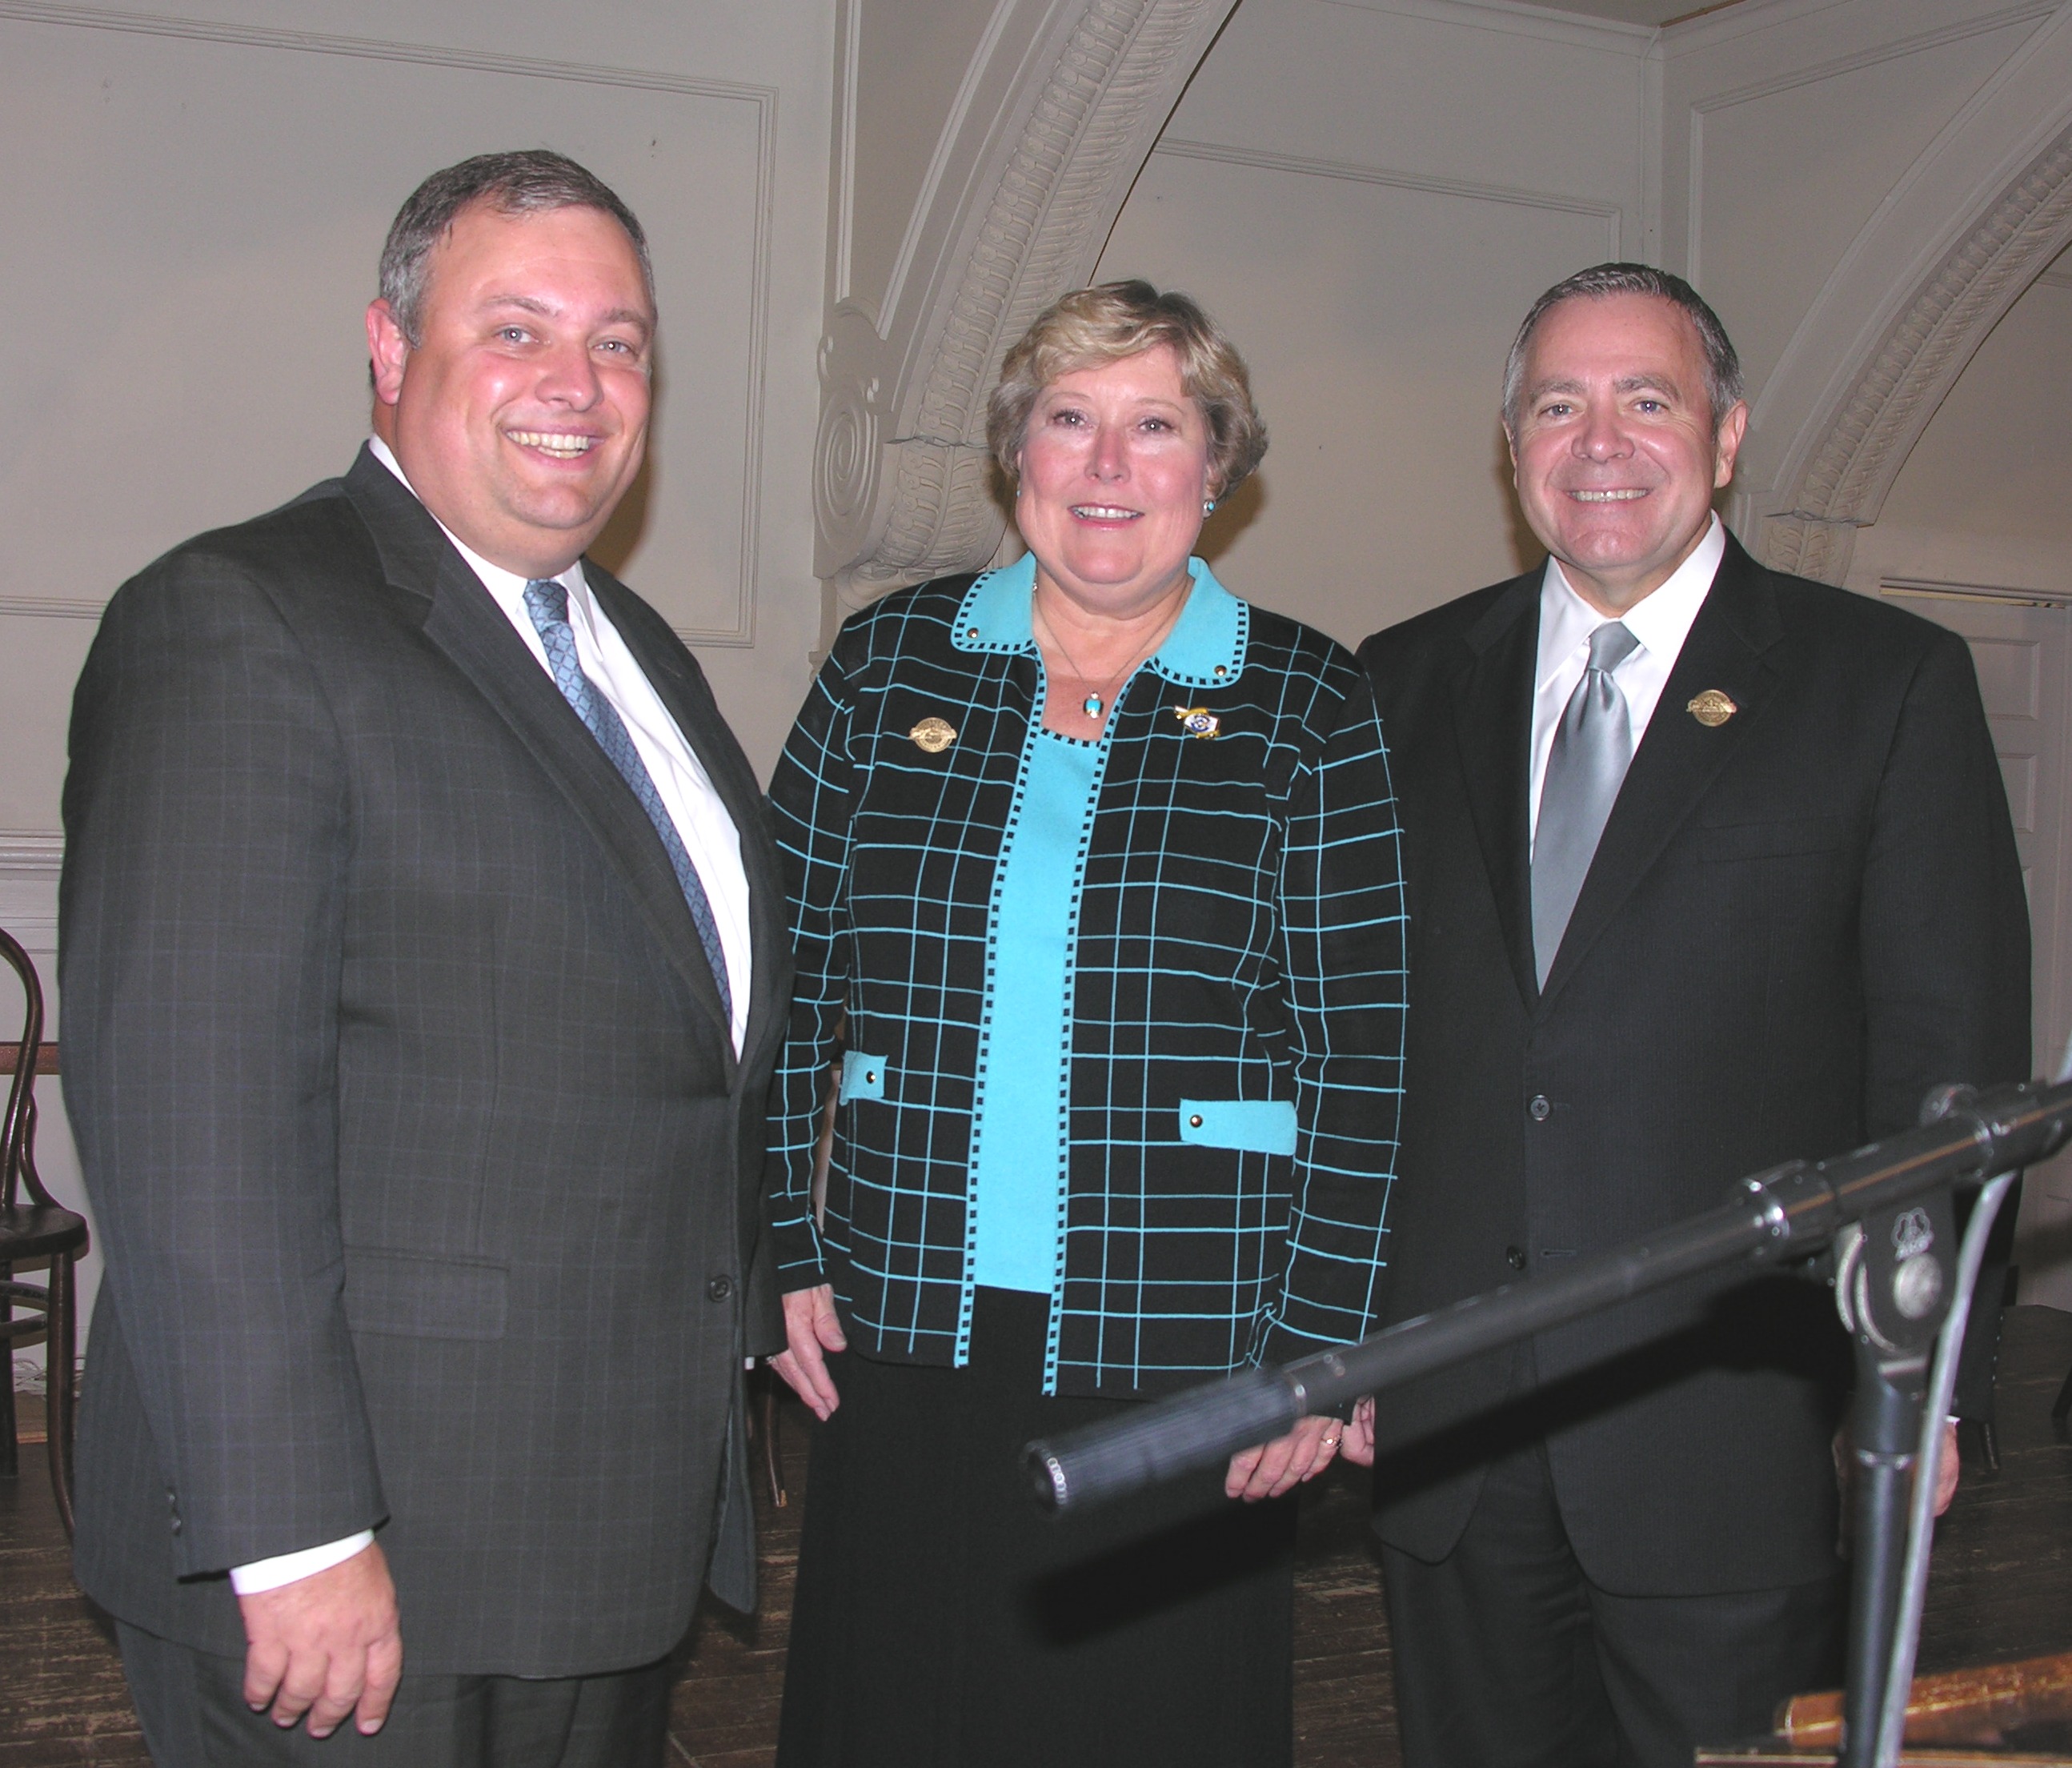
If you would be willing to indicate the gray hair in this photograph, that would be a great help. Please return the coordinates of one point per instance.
(530, 182)
(1723, 366)
(1090, 327)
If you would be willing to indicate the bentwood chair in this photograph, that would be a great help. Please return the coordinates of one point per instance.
(34, 1230)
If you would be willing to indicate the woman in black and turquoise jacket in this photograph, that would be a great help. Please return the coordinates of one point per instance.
(1099, 866)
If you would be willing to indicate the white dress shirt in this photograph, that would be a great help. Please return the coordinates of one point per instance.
(1660, 620)
(686, 790)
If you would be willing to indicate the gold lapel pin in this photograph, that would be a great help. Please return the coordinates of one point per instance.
(933, 735)
(1197, 722)
(1711, 709)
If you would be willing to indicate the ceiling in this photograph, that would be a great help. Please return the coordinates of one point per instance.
(1638, 12)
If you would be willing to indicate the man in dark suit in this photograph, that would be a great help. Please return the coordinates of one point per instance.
(423, 971)
(1708, 867)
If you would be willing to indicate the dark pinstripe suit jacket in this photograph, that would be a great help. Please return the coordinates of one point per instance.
(1239, 964)
(423, 1163)
(1797, 922)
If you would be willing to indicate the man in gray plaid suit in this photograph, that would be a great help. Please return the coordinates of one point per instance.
(423, 967)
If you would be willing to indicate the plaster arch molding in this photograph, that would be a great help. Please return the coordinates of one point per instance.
(1898, 322)
(1057, 110)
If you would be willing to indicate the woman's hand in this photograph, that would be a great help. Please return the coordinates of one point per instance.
(812, 1330)
(1285, 1463)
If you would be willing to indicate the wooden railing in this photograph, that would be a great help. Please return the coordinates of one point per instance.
(46, 1058)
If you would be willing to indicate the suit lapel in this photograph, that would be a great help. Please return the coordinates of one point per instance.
(465, 623)
(1493, 725)
(687, 698)
(1679, 758)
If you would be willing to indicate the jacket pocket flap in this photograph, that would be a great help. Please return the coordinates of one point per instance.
(1258, 1126)
(863, 1077)
(409, 1295)
(1769, 840)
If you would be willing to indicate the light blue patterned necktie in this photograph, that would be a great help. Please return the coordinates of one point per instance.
(548, 602)
(1592, 747)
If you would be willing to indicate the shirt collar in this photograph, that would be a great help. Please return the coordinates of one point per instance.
(506, 587)
(1661, 620)
(1205, 649)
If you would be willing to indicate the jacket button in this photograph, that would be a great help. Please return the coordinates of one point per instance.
(1514, 1257)
(1542, 1108)
(720, 1288)
(1194, 1121)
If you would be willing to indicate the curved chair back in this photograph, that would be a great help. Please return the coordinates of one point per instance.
(18, 1128)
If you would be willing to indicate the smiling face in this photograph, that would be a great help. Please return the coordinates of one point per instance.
(1114, 469)
(1616, 450)
(520, 415)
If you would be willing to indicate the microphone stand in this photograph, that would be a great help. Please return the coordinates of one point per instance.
(1885, 1208)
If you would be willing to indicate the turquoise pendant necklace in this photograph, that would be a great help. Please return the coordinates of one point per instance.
(1095, 702)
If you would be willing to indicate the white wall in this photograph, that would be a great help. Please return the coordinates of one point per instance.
(1367, 197)
(193, 211)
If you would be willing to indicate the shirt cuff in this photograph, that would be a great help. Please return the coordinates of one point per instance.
(291, 1567)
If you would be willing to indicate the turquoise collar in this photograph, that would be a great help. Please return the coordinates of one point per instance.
(1205, 649)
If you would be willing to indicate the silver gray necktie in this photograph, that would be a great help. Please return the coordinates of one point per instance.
(1592, 745)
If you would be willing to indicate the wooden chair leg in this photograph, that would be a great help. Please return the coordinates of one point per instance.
(61, 1352)
(772, 1460)
(2061, 1408)
(10, 1463)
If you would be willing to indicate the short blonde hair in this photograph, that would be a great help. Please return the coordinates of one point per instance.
(1090, 327)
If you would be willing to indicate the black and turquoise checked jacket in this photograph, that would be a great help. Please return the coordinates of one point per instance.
(1237, 1015)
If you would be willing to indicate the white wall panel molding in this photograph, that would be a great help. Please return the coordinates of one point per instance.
(693, 551)
(1814, 74)
(1963, 232)
(1517, 21)
(1053, 119)
(29, 862)
(51, 607)
(374, 49)
(1471, 189)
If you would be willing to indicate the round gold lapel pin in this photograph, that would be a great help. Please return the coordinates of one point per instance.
(1711, 709)
(933, 735)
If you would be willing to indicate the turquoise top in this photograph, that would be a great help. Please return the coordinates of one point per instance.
(1018, 1138)
(1019, 1132)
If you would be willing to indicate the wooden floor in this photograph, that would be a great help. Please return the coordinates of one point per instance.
(2001, 1588)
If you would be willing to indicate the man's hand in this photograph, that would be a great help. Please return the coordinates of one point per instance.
(812, 1330)
(327, 1645)
(1947, 1470)
(1285, 1463)
(1356, 1444)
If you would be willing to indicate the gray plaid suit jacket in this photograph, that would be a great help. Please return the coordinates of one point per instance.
(425, 1169)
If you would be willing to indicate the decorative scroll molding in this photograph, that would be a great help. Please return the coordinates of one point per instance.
(1056, 117)
(739, 632)
(1843, 482)
(1354, 172)
(1962, 233)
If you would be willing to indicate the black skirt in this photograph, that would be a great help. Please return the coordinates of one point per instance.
(941, 1619)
